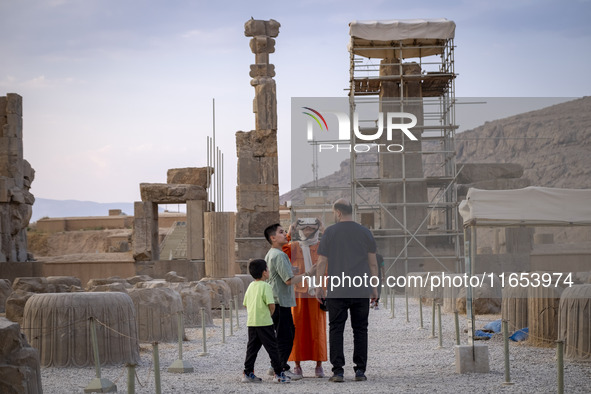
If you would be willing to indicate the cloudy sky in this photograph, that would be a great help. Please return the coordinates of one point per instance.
(118, 91)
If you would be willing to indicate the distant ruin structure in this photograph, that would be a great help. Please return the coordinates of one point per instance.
(257, 193)
(16, 176)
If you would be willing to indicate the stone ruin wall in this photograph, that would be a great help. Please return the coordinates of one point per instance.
(257, 193)
(16, 176)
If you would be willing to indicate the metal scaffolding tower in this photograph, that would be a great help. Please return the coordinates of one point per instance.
(399, 68)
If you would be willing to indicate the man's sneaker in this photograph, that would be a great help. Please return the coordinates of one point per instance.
(360, 376)
(337, 377)
(292, 376)
(319, 372)
(251, 378)
(281, 378)
(271, 371)
(375, 308)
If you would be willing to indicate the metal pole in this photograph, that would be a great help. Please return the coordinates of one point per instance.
(236, 305)
(560, 365)
(223, 324)
(204, 332)
(97, 362)
(231, 320)
(156, 366)
(506, 348)
(392, 313)
(421, 312)
(406, 301)
(433, 320)
(457, 321)
(130, 378)
(180, 331)
(439, 324)
(386, 296)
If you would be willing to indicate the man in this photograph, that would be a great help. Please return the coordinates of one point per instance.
(349, 251)
(282, 279)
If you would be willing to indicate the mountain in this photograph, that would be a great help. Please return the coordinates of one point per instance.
(44, 207)
(552, 144)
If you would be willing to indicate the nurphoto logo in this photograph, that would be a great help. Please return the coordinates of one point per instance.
(395, 121)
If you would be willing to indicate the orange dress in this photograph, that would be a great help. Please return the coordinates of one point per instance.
(310, 321)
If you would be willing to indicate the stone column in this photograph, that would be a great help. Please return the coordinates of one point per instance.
(219, 246)
(257, 194)
(16, 176)
(145, 231)
(195, 233)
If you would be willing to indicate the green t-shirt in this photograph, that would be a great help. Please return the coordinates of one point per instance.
(257, 298)
(280, 270)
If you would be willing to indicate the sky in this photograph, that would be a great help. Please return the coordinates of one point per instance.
(116, 92)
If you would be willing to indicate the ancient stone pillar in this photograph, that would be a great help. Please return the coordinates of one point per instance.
(195, 233)
(258, 185)
(145, 231)
(219, 245)
(16, 176)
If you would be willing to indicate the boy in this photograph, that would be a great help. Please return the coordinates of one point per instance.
(260, 305)
(282, 279)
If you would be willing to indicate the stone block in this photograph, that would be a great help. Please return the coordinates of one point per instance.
(19, 362)
(162, 193)
(257, 198)
(14, 104)
(28, 171)
(256, 27)
(262, 44)
(195, 234)
(15, 305)
(257, 170)
(13, 128)
(262, 70)
(478, 172)
(265, 103)
(472, 359)
(251, 249)
(5, 291)
(190, 176)
(259, 221)
(3, 101)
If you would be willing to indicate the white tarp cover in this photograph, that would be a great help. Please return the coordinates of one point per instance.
(418, 37)
(396, 30)
(533, 206)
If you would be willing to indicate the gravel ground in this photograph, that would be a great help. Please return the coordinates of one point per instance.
(402, 358)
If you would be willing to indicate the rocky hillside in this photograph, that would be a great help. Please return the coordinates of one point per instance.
(552, 144)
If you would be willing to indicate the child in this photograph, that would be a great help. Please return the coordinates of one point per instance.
(260, 305)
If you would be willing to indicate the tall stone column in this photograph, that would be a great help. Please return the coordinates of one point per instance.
(16, 176)
(257, 193)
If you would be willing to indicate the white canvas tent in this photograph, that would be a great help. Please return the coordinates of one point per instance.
(532, 206)
(405, 38)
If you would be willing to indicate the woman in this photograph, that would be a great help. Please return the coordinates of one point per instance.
(309, 319)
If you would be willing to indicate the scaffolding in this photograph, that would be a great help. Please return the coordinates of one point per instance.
(409, 197)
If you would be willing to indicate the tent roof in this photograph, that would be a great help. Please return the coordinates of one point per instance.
(375, 39)
(531, 206)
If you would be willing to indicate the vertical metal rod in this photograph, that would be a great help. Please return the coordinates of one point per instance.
(506, 349)
(156, 366)
(236, 305)
(560, 365)
(97, 361)
(231, 320)
(213, 156)
(180, 333)
(219, 181)
(223, 324)
(439, 325)
(433, 320)
(421, 312)
(457, 321)
(204, 331)
(386, 296)
(406, 301)
(130, 378)
(392, 300)
(222, 183)
(208, 182)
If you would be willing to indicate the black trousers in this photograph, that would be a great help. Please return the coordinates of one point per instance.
(285, 332)
(338, 311)
(257, 337)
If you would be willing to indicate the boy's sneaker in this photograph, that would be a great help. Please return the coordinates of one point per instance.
(281, 378)
(251, 378)
(360, 376)
(337, 377)
(292, 375)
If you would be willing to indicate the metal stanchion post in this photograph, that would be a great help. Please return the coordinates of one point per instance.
(433, 320)
(223, 324)
(560, 365)
(98, 384)
(506, 349)
(457, 321)
(236, 307)
(392, 313)
(439, 325)
(421, 313)
(156, 367)
(386, 295)
(204, 333)
(180, 366)
(406, 302)
(231, 320)
(130, 378)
